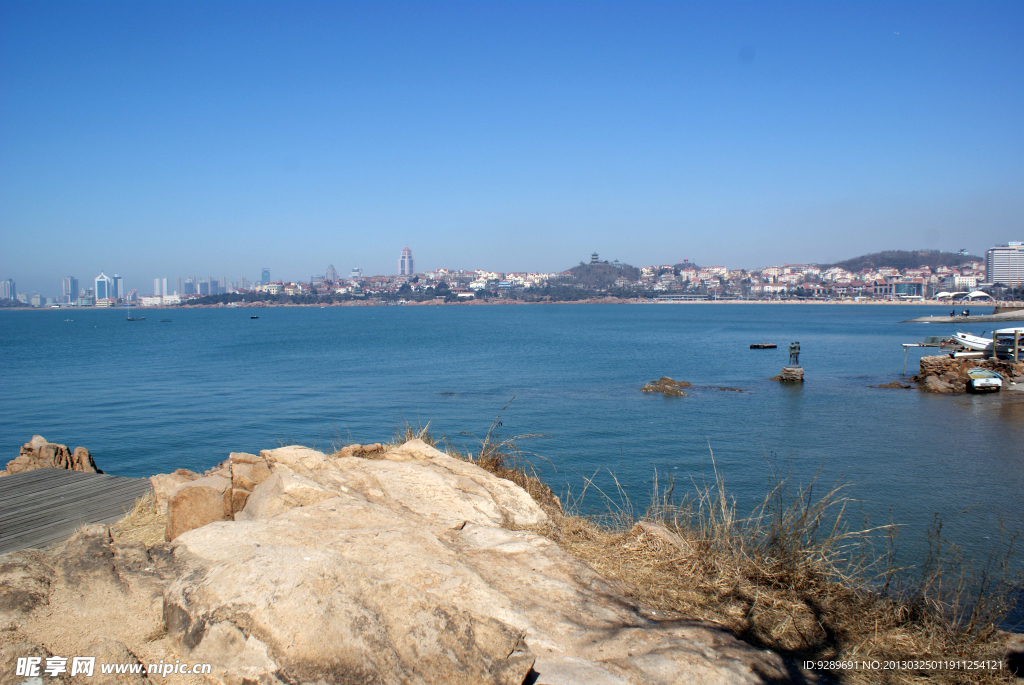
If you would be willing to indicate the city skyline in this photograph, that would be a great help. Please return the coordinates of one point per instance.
(1001, 265)
(740, 133)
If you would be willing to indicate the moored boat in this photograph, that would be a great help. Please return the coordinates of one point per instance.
(984, 380)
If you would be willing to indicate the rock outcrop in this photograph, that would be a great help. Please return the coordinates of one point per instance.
(894, 385)
(946, 374)
(37, 453)
(409, 567)
(790, 374)
(667, 386)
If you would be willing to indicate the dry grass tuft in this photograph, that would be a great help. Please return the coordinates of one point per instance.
(142, 524)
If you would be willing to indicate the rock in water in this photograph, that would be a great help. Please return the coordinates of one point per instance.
(667, 386)
(38, 453)
(790, 374)
(946, 374)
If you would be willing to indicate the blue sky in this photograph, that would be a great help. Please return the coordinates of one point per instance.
(213, 138)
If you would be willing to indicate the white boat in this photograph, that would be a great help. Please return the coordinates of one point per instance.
(1004, 337)
(983, 380)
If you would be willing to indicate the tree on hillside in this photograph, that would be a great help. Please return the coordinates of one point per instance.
(903, 259)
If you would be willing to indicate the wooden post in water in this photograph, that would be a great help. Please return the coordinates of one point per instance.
(1016, 347)
(994, 354)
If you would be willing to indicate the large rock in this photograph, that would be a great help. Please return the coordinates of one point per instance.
(37, 453)
(165, 484)
(412, 568)
(667, 386)
(947, 374)
(197, 503)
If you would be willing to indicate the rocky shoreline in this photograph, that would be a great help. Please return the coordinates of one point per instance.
(377, 564)
(945, 374)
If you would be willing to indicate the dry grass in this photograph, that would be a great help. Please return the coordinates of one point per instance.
(791, 576)
(142, 524)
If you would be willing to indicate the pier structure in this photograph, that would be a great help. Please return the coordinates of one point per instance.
(42, 507)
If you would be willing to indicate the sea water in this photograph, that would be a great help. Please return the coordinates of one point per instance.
(150, 396)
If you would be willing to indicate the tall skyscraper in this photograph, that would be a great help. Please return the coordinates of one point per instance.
(265, 276)
(69, 290)
(405, 263)
(331, 274)
(179, 291)
(7, 289)
(104, 286)
(118, 287)
(1005, 264)
(159, 287)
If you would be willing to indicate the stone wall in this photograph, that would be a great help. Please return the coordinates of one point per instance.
(944, 374)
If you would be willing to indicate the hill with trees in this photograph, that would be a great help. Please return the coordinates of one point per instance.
(603, 275)
(904, 259)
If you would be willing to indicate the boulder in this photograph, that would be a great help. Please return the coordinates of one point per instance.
(37, 453)
(934, 384)
(894, 385)
(667, 386)
(412, 567)
(248, 471)
(164, 485)
(197, 503)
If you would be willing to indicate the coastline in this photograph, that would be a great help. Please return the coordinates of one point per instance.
(476, 303)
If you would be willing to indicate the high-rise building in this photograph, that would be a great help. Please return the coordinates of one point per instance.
(7, 289)
(104, 287)
(405, 263)
(179, 291)
(118, 288)
(1005, 264)
(265, 276)
(356, 274)
(159, 287)
(69, 290)
(331, 274)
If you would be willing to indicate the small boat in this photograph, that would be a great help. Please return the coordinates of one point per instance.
(983, 380)
(165, 320)
(254, 317)
(133, 318)
(763, 346)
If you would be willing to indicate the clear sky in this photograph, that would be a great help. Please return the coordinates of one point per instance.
(214, 138)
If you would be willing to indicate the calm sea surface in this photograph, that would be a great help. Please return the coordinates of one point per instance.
(148, 397)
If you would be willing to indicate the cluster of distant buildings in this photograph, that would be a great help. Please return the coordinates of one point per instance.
(1003, 268)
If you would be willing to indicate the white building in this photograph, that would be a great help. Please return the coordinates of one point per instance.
(1005, 264)
(405, 263)
(104, 287)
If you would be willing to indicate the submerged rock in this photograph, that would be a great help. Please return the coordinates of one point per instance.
(895, 385)
(667, 386)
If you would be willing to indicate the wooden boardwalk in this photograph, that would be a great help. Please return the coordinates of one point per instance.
(43, 507)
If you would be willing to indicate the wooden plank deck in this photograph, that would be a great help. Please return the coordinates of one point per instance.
(43, 507)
